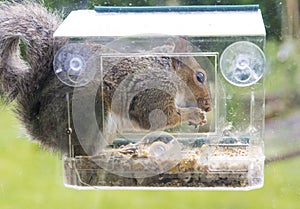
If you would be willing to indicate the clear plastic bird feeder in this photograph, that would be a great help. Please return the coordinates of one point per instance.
(115, 60)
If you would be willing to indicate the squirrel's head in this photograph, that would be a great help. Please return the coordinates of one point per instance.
(193, 75)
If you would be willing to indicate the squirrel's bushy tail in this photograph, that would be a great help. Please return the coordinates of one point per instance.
(33, 25)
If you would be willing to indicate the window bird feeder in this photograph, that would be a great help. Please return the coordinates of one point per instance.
(163, 97)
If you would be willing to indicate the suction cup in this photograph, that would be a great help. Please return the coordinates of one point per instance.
(242, 63)
(75, 64)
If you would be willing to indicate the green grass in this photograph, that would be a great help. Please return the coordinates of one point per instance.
(31, 178)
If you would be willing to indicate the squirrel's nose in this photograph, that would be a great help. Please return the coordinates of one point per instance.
(205, 105)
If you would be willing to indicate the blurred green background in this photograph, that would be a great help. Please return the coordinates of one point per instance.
(31, 177)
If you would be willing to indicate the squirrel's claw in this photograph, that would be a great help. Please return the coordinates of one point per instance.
(197, 118)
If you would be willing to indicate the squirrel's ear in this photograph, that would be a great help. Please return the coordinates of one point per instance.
(181, 45)
(176, 62)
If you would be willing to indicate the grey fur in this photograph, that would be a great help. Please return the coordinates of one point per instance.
(32, 84)
(41, 98)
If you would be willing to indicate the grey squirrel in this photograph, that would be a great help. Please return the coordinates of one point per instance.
(40, 97)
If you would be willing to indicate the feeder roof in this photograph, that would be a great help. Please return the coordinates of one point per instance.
(172, 21)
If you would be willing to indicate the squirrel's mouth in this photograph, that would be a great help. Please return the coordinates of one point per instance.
(204, 105)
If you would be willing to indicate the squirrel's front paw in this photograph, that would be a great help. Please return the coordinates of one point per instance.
(197, 117)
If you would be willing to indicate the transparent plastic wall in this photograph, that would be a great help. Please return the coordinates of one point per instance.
(155, 111)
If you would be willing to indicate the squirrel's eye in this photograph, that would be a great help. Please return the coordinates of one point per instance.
(200, 77)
